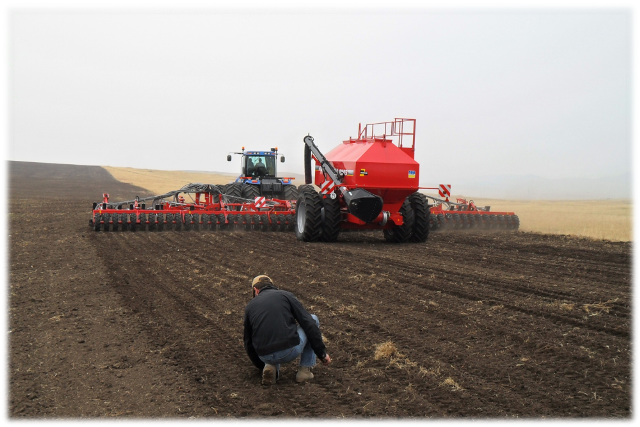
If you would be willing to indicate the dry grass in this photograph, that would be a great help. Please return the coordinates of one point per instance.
(597, 219)
(385, 350)
(596, 308)
(159, 181)
(451, 383)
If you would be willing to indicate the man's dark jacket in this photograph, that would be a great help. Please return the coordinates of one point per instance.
(270, 325)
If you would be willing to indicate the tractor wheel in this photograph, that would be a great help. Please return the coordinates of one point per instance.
(235, 191)
(290, 192)
(401, 233)
(331, 219)
(250, 191)
(308, 220)
(421, 214)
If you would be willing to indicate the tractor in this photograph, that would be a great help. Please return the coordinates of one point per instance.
(258, 176)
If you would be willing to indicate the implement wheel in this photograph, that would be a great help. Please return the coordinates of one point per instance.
(331, 219)
(401, 233)
(421, 216)
(308, 220)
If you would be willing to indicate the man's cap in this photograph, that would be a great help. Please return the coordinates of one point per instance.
(261, 279)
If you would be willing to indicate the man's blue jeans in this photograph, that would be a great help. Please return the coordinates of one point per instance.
(308, 357)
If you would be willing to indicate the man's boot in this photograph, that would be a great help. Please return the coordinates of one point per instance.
(304, 374)
(268, 375)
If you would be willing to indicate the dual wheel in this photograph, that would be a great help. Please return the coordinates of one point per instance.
(316, 218)
(415, 221)
(319, 218)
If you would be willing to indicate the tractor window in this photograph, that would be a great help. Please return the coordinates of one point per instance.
(261, 165)
(271, 165)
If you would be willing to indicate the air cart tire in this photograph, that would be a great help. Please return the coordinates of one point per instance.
(308, 218)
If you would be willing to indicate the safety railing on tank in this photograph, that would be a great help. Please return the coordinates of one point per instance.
(398, 128)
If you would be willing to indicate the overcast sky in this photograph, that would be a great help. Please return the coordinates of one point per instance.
(493, 91)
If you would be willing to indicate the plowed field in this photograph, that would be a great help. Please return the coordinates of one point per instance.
(149, 324)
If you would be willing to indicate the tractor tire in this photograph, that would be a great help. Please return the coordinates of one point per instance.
(250, 191)
(331, 219)
(401, 233)
(215, 193)
(308, 219)
(290, 192)
(235, 191)
(421, 214)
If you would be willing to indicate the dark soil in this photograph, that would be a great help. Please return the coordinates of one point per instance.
(149, 324)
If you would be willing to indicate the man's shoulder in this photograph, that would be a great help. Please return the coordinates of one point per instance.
(282, 292)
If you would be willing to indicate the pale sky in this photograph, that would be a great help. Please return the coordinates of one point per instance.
(543, 92)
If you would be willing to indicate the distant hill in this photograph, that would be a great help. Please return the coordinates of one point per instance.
(533, 187)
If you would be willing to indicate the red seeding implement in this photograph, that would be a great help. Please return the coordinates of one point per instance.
(257, 200)
(367, 183)
(370, 182)
(464, 215)
(210, 207)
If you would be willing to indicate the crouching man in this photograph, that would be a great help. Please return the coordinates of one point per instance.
(272, 337)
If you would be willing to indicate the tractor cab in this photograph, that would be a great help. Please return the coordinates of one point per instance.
(259, 164)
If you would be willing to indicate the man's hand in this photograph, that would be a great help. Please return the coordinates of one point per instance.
(326, 360)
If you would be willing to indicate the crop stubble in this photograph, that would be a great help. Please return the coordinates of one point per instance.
(150, 324)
